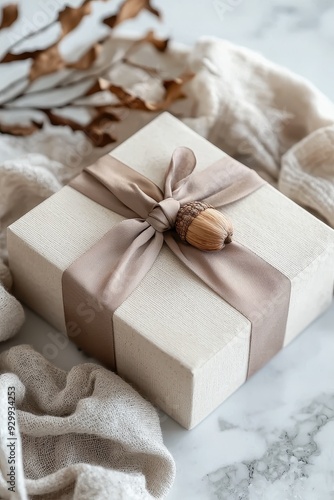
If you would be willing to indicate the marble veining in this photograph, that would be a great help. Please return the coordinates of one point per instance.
(287, 463)
(271, 440)
(297, 34)
(274, 438)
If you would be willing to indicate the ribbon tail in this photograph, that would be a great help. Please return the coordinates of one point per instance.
(97, 283)
(250, 285)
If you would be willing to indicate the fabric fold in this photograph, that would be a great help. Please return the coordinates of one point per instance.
(85, 434)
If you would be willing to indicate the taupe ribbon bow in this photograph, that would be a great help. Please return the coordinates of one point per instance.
(115, 266)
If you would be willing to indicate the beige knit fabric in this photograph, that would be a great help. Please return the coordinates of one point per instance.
(85, 434)
(307, 174)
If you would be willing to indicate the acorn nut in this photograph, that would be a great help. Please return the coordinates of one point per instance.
(203, 227)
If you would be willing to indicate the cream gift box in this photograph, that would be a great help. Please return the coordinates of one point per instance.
(183, 346)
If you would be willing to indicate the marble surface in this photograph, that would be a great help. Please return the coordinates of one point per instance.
(298, 34)
(274, 438)
(271, 440)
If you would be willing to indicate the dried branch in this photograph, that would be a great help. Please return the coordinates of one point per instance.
(69, 18)
(102, 113)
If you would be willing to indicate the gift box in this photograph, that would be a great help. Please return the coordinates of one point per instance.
(174, 337)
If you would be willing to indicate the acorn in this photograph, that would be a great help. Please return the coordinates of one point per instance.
(203, 227)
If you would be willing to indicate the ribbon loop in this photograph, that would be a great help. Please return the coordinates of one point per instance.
(115, 265)
(163, 216)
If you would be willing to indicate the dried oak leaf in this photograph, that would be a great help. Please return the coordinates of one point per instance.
(173, 91)
(50, 60)
(46, 61)
(20, 130)
(130, 100)
(99, 130)
(71, 17)
(128, 10)
(126, 98)
(173, 88)
(9, 15)
(87, 59)
(158, 43)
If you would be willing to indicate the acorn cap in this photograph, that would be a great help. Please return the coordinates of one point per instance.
(203, 227)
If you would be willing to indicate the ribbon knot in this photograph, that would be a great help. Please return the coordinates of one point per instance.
(163, 216)
(118, 262)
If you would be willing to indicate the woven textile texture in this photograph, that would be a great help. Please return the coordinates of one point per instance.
(84, 435)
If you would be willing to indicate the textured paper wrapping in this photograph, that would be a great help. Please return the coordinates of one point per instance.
(175, 339)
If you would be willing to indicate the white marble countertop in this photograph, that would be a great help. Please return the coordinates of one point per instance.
(271, 440)
(274, 438)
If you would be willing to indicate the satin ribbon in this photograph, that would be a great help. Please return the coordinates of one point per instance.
(116, 264)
